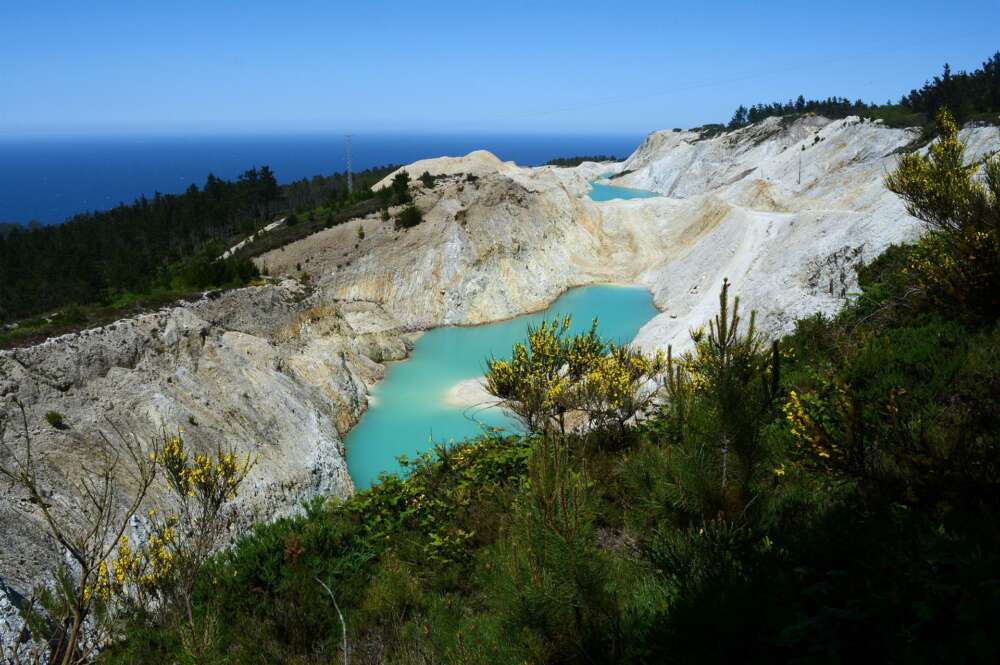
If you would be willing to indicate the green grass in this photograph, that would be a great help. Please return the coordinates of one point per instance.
(55, 420)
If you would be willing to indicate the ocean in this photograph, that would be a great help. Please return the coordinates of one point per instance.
(51, 179)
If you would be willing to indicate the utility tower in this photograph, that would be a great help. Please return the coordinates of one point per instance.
(350, 180)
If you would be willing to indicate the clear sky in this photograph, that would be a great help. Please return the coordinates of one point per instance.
(266, 66)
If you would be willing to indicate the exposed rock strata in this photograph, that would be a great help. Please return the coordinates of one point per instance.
(268, 370)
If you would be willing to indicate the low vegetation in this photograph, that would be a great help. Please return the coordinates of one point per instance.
(309, 222)
(428, 180)
(56, 420)
(409, 217)
(398, 191)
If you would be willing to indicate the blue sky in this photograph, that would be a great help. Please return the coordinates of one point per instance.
(216, 66)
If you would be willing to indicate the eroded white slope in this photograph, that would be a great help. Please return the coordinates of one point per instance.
(785, 210)
(803, 205)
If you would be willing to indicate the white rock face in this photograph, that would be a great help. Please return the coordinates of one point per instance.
(266, 370)
(790, 243)
(477, 163)
(785, 210)
(283, 372)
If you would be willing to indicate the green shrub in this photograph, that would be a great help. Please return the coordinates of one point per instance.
(56, 420)
(580, 159)
(74, 314)
(400, 188)
(206, 270)
(733, 377)
(393, 594)
(551, 581)
(409, 217)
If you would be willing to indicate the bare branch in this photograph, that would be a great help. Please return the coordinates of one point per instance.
(343, 624)
(100, 524)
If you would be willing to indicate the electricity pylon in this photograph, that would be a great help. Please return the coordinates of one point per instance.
(350, 181)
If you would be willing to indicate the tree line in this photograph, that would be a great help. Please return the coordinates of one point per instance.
(968, 95)
(576, 161)
(169, 242)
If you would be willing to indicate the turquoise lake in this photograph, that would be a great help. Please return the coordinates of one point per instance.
(601, 192)
(408, 412)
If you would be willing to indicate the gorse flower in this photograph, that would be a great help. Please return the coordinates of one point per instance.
(170, 559)
(814, 422)
(202, 475)
(555, 374)
(958, 262)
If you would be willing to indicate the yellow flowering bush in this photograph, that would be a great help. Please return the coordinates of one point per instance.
(162, 573)
(620, 385)
(537, 383)
(126, 574)
(958, 262)
(834, 430)
(213, 481)
(815, 424)
(164, 569)
(554, 374)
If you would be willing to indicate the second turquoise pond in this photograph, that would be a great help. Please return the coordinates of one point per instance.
(599, 192)
(408, 410)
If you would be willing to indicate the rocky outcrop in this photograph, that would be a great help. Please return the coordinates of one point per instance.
(476, 163)
(267, 370)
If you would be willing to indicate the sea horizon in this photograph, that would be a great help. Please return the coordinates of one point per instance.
(50, 178)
